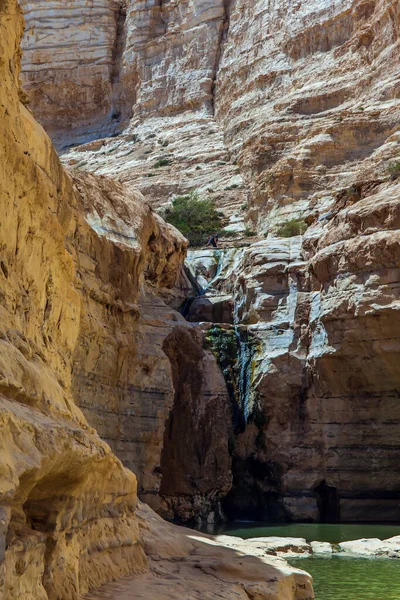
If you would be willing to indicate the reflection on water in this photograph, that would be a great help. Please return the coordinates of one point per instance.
(334, 534)
(340, 578)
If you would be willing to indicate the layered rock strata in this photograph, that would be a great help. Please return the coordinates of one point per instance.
(321, 317)
(262, 96)
(72, 63)
(67, 503)
(290, 110)
(152, 78)
(74, 253)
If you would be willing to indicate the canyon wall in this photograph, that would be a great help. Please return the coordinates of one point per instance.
(277, 110)
(67, 504)
(317, 437)
(77, 252)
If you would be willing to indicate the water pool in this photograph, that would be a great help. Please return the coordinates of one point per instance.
(335, 578)
(340, 578)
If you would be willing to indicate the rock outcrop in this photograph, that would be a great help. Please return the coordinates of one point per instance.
(389, 548)
(72, 59)
(279, 111)
(67, 504)
(250, 102)
(320, 318)
(76, 251)
(191, 565)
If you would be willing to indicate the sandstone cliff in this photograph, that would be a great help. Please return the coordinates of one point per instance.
(67, 503)
(77, 252)
(277, 110)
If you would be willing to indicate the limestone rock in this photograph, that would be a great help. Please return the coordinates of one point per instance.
(277, 129)
(264, 546)
(187, 564)
(72, 66)
(277, 111)
(321, 314)
(372, 547)
(321, 548)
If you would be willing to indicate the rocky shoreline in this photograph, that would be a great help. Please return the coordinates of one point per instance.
(288, 547)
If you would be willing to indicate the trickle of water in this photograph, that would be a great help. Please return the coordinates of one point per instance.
(245, 357)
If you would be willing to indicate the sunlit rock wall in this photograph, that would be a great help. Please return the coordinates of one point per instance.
(277, 110)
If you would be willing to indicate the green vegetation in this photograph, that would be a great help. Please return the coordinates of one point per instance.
(195, 217)
(394, 169)
(249, 232)
(292, 228)
(150, 175)
(234, 186)
(224, 347)
(198, 168)
(162, 162)
(244, 207)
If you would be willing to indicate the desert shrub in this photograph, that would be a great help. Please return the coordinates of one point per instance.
(249, 232)
(394, 169)
(234, 186)
(162, 162)
(292, 228)
(228, 234)
(195, 217)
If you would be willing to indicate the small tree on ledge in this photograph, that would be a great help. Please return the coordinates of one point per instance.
(195, 217)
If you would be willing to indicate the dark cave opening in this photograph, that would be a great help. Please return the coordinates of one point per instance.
(328, 503)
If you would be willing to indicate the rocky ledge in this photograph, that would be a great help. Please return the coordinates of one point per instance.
(287, 548)
(191, 565)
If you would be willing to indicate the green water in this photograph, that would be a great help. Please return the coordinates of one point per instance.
(311, 531)
(340, 578)
(336, 578)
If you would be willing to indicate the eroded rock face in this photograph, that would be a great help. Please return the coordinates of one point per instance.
(283, 109)
(308, 94)
(75, 252)
(67, 503)
(322, 316)
(151, 78)
(72, 66)
(265, 97)
(188, 563)
(78, 254)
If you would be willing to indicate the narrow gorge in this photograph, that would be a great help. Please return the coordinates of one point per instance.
(254, 381)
